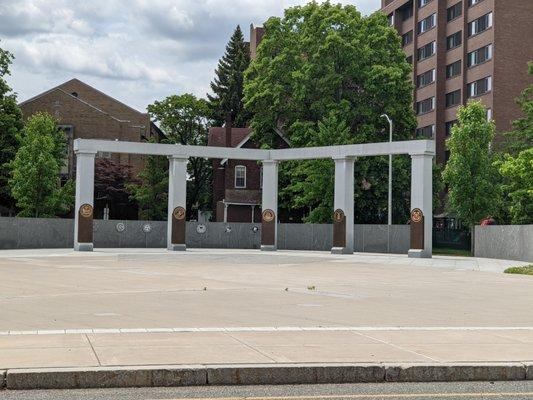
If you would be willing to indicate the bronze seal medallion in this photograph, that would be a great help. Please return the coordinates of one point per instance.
(416, 215)
(338, 215)
(86, 211)
(268, 215)
(179, 213)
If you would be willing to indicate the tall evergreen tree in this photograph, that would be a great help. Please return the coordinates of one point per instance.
(228, 83)
(10, 126)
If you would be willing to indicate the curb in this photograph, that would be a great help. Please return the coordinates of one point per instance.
(257, 374)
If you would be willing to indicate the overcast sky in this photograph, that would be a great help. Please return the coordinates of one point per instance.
(137, 51)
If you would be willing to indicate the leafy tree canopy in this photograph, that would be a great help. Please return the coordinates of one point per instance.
(184, 119)
(228, 83)
(10, 126)
(324, 75)
(471, 178)
(35, 182)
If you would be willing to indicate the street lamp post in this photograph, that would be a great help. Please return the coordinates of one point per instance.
(389, 219)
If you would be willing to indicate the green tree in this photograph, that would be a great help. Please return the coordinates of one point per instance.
(324, 74)
(517, 173)
(152, 192)
(469, 173)
(227, 86)
(184, 119)
(10, 126)
(521, 137)
(35, 182)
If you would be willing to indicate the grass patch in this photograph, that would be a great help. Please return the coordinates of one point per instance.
(525, 270)
(445, 251)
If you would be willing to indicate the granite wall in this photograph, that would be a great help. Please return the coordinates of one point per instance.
(507, 242)
(24, 233)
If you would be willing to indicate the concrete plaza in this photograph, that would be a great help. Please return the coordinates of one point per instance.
(151, 307)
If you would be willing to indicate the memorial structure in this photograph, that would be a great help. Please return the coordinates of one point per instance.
(421, 152)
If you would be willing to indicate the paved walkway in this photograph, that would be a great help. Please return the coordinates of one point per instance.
(150, 307)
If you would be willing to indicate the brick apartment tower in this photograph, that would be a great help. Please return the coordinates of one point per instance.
(462, 50)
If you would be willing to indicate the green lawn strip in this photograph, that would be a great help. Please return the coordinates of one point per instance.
(525, 270)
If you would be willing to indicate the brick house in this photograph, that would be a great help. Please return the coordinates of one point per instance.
(85, 112)
(237, 183)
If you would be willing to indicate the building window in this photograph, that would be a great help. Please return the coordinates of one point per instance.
(426, 78)
(390, 18)
(453, 98)
(409, 59)
(453, 69)
(454, 40)
(423, 3)
(473, 2)
(240, 177)
(426, 132)
(479, 56)
(489, 114)
(426, 24)
(448, 127)
(480, 25)
(425, 106)
(407, 12)
(426, 51)
(407, 38)
(480, 87)
(454, 11)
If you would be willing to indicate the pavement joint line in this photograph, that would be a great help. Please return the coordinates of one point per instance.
(259, 329)
(244, 343)
(94, 351)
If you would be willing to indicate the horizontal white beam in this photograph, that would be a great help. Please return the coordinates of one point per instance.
(411, 147)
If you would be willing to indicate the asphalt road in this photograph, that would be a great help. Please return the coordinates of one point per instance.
(387, 391)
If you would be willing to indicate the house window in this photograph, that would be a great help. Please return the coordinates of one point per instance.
(407, 38)
(453, 69)
(454, 11)
(480, 25)
(240, 177)
(453, 98)
(425, 106)
(473, 2)
(427, 23)
(480, 87)
(454, 40)
(425, 132)
(423, 3)
(426, 78)
(479, 56)
(426, 51)
(448, 127)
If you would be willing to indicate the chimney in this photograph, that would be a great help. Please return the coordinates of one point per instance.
(228, 130)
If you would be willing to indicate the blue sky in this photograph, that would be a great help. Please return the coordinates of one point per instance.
(137, 51)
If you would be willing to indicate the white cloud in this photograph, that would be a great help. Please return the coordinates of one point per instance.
(135, 50)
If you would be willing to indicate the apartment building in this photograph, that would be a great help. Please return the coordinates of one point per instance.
(462, 50)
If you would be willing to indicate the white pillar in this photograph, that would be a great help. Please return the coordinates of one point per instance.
(177, 201)
(84, 205)
(343, 206)
(269, 216)
(422, 198)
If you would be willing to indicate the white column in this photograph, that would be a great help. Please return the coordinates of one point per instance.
(270, 200)
(422, 198)
(344, 199)
(177, 194)
(84, 193)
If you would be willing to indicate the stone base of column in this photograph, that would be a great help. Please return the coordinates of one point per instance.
(268, 247)
(416, 253)
(83, 247)
(341, 250)
(177, 247)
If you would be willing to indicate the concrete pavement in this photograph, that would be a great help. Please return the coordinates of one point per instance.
(116, 309)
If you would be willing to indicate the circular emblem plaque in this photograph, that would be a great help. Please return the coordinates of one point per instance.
(268, 215)
(147, 228)
(338, 215)
(120, 227)
(201, 229)
(416, 215)
(86, 211)
(179, 213)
